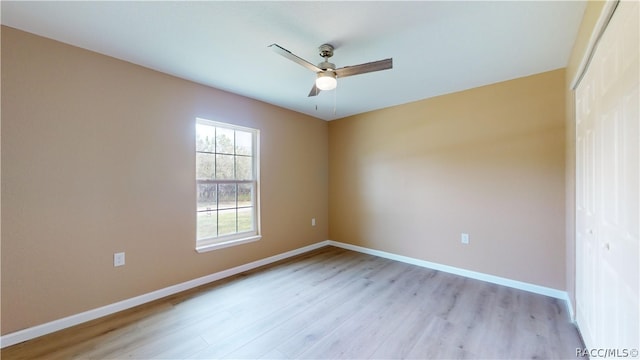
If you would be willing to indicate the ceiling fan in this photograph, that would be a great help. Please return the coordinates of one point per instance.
(326, 72)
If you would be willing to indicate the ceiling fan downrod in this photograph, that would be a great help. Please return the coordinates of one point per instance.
(326, 51)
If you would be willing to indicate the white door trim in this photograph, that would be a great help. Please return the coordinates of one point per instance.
(598, 30)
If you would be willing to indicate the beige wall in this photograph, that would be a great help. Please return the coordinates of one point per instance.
(487, 161)
(591, 15)
(98, 157)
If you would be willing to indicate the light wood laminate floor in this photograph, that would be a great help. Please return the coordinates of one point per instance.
(327, 304)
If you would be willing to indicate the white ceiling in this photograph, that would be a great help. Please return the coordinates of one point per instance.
(437, 47)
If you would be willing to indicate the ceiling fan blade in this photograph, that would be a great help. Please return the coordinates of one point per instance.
(314, 91)
(289, 55)
(364, 68)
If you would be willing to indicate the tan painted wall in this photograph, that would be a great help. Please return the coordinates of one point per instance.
(487, 161)
(98, 157)
(591, 14)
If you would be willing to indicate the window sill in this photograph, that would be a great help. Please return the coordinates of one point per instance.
(225, 244)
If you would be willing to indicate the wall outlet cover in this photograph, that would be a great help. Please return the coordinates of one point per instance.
(464, 238)
(118, 259)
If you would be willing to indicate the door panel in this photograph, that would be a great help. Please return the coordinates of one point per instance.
(608, 188)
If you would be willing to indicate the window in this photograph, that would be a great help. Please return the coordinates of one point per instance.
(227, 185)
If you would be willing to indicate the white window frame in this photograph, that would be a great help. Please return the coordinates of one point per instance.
(219, 242)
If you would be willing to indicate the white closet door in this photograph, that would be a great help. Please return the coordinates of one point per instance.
(607, 184)
(586, 241)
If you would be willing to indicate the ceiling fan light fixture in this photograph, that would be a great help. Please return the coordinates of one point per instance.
(326, 80)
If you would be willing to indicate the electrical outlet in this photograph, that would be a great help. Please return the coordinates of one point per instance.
(313, 221)
(118, 259)
(464, 238)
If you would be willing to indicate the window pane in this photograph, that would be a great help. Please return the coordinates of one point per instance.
(205, 166)
(224, 167)
(205, 136)
(244, 143)
(226, 196)
(226, 181)
(224, 141)
(245, 219)
(207, 197)
(244, 168)
(226, 222)
(207, 222)
(245, 195)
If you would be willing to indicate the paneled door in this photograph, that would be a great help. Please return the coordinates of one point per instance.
(608, 189)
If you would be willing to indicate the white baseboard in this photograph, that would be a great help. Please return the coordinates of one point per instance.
(56, 325)
(537, 289)
(570, 311)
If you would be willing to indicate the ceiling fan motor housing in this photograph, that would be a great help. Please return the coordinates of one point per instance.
(325, 65)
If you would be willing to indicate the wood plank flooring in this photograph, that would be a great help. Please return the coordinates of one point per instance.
(327, 304)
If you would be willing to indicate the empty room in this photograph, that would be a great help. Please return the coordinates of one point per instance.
(320, 180)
